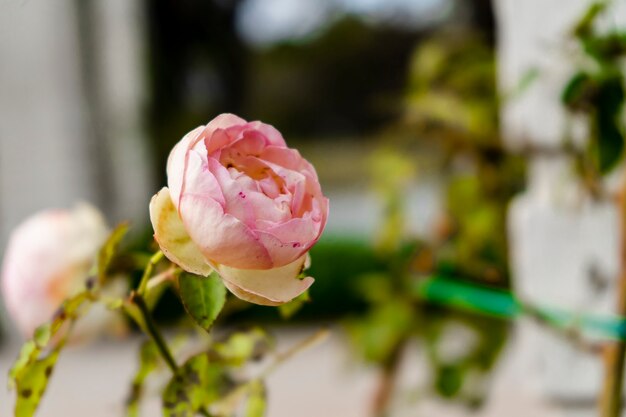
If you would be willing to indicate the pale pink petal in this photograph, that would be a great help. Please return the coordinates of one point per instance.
(170, 234)
(199, 180)
(277, 285)
(219, 131)
(217, 140)
(283, 253)
(251, 142)
(273, 136)
(248, 296)
(297, 230)
(225, 120)
(287, 241)
(176, 163)
(290, 159)
(221, 237)
(245, 204)
(234, 193)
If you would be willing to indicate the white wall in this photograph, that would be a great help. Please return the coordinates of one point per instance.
(563, 244)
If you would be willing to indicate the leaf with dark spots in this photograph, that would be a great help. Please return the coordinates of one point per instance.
(34, 366)
(32, 384)
(203, 297)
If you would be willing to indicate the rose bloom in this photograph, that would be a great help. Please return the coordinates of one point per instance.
(242, 203)
(48, 258)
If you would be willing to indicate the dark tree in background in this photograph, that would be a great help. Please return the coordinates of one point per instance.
(196, 66)
(347, 80)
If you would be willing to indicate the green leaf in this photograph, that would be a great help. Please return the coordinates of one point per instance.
(257, 401)
(610, 145)
(287, 310)
(148, 362)
(108, 250)
(32, 384)
(584, 27)
(27, 355)
(31, 371)
(449, 380)
(203, 297)
(578, 91)
(377, 334)
(197, 385)
(240, 347)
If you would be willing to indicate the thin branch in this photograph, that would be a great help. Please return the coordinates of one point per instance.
(387, 381)
(143, 284)
(154, 332)
(611, 396)
(231, 398)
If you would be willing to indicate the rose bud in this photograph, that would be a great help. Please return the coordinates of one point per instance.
(242, 203)
(47, 260)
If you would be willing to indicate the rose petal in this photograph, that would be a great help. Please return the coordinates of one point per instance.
(170, 234)
(303, 229)
(221, 237)
(176, 163)
(290, 159)
(199, 180)
(220, 132)
(248, 296)
(273, 136)
(283, 253)
(277, 285)
(245, 204)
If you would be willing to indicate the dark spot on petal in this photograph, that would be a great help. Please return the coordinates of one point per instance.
(295, 245)
(241, 194)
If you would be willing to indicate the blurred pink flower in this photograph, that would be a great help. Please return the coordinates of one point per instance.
(244, 204)
(48, 258)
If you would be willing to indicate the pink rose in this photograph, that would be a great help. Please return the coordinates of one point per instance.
(48, 258)
(242, 203)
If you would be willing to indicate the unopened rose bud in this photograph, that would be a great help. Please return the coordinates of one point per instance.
(47, 260)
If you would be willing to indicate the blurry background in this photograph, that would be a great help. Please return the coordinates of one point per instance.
(396, 103)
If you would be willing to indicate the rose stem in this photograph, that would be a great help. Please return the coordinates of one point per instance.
(611, 395)
(157, 337)
(387, 381)
(143, 284)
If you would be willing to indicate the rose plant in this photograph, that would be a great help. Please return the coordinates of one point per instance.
(241, 211)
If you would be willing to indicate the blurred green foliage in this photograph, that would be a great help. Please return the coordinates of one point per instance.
(452, 109)
(453, 102)
(596, 91)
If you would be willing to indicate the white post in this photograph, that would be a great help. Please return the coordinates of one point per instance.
(564, 245)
